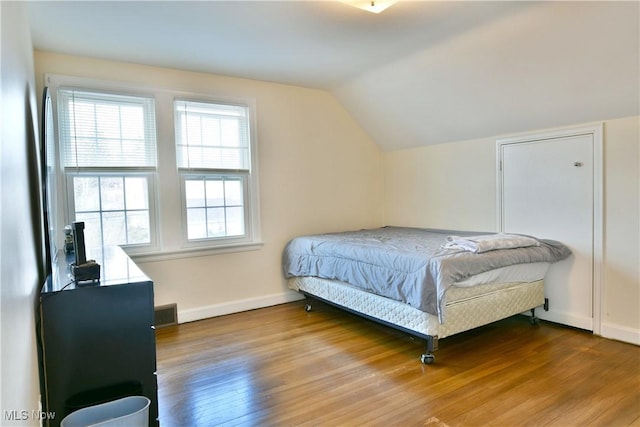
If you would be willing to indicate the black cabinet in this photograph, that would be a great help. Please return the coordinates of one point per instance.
(97, 341)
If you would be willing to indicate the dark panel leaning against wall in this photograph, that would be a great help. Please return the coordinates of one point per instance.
(34, 168)
(35, 160)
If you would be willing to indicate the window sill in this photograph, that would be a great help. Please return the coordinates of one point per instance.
(195, 252)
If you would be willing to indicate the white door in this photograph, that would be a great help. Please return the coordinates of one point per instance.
(547, 190)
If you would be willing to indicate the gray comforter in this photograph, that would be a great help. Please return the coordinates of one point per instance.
(411, 265)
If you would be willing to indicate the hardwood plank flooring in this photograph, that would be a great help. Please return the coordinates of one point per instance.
(282, 366)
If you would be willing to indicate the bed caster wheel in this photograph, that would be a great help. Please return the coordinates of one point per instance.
(533, 319)
(307, 307)
(427, 359)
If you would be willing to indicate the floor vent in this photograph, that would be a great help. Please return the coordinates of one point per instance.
(166, 315)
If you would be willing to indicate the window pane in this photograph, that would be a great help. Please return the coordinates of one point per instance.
(210, 131)
(113, 226)
(85, 193)
(194, 191)
(235, 221)
(215, 193)
(113, 222)
(107, 121)
(215, 222)
(208, 156)
(132, 121)
(138, 230)
(230, 130)
(195, 157)
(112, 193)
(224, 214)
(82, 116)
(92, 229)
(196, 224)
(192, 133)
(233, 193)
(137, 195)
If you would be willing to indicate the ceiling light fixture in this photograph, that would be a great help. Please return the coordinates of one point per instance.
(375, 6)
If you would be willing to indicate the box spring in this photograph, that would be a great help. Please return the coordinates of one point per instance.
(465, 308)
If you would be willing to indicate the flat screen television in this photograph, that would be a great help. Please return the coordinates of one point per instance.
(48, 174)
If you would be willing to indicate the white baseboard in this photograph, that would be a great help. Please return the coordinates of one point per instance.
(566, 318)
(199, 313)
(609, 330)
(621, 333)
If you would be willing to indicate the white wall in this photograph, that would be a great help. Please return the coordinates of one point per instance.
(318, 171)
(621, 275)
(454, 186)
(451, 186)
(21, 255)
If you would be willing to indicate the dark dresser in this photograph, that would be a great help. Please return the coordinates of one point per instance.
(97, 340)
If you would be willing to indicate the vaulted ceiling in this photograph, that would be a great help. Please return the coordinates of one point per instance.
(419, 73)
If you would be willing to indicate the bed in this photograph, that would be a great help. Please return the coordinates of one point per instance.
(429, 283)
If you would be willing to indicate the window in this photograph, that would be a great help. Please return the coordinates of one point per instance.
(214, 158)
(160, 172)
(108, 146)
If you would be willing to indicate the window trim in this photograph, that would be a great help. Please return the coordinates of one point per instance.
(68, 172)
(215, 241)
(166, 200)
(251, 211)
(184, 145)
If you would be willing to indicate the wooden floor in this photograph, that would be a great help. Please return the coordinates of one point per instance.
(282, 366)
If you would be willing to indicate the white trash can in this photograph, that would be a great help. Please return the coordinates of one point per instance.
(132, 411)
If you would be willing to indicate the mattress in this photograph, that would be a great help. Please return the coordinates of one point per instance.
(410, 265)
(466, 307)
(514, 273)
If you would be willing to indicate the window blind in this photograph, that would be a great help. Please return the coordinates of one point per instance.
(106, 130)
(212, 136)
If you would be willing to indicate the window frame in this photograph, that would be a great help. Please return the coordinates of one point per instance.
(232, 240)
(251, 238)
(166, 182)
(67, 173)
(125, 172)
(71, 159)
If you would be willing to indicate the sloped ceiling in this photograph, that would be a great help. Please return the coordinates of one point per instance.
(421, 72)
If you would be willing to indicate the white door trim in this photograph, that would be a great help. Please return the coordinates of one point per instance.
(596, 130)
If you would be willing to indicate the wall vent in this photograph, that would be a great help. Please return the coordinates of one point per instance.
(166, 315)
